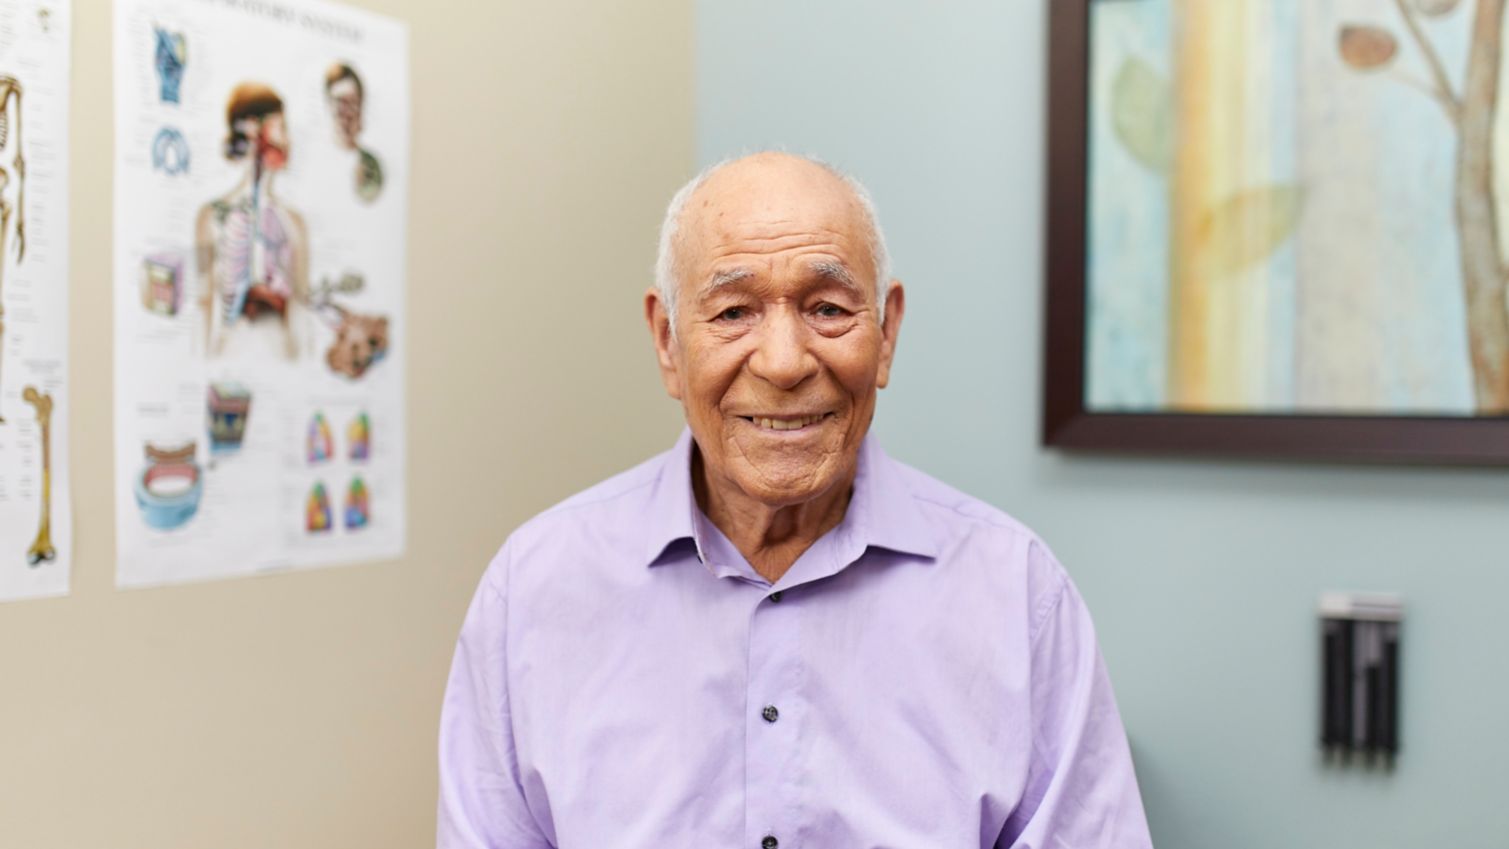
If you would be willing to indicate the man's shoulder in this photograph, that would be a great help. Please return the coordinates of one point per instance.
(957, 509)
(624, 493)
(631, 486)
(598, 518)
(975, 531)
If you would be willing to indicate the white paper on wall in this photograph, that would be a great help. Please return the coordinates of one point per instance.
(261, 195)
(36, 550)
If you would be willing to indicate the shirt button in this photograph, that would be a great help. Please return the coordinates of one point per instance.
(770, 713)
(776, 596)
(769, 842)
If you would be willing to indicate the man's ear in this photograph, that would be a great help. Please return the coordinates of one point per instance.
(667, 349)
(895, 308)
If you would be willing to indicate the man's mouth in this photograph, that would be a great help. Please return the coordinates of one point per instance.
(785, 422)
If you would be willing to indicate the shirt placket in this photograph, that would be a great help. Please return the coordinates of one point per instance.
(775, 716)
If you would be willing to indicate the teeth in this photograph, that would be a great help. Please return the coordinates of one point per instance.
(787, 424)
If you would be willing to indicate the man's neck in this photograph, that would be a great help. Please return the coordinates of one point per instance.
(770, 538)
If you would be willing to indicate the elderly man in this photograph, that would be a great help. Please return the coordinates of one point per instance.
(773, 635)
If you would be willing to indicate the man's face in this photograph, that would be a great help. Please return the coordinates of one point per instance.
(778, 352)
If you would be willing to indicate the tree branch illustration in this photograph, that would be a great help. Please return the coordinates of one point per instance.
(1444, 93)
(1473, 114)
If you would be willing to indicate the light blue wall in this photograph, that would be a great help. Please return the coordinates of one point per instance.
(1203, 575)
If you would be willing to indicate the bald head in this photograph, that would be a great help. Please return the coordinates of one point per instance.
(766, 187)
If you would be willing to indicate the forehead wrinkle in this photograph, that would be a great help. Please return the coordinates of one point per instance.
(748, 230)
(828, 266)
(771, 248)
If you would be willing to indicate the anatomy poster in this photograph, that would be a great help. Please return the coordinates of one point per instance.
(261, 182)
(35, 529)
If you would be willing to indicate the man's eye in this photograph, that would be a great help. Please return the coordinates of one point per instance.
(829, 311)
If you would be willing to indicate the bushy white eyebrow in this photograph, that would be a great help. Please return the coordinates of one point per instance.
(727, 278)
(825, 268)
(837, 272)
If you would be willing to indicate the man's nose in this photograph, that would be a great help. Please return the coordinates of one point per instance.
(783, 357)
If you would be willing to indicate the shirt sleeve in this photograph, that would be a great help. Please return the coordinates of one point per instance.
(1081, 788)
(482, 804)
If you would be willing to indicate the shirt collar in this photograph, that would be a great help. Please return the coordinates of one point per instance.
(672, 508)
(882, 511)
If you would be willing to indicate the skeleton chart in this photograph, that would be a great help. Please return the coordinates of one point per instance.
(35, 519)
(261, 206)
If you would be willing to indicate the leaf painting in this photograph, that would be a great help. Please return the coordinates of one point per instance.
(1248, 227)
(1141, 115)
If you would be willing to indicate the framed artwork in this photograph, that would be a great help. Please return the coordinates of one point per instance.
(1279, 227)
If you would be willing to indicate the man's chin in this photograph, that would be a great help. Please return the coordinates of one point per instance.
(782, 483)
(779, 468)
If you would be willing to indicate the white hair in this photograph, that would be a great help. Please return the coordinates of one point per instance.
(666, 260)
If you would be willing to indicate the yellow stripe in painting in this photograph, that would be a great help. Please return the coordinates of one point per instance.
(1217, 315)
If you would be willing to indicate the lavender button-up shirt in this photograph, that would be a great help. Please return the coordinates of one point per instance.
(925, 676)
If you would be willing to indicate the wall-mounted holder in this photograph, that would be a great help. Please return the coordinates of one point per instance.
(1360, 674)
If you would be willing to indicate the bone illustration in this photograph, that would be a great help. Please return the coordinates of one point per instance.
(41, 548)
(10, 88)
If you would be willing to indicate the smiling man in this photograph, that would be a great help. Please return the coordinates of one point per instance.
(773, 635)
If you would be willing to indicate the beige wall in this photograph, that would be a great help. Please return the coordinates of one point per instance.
(300, 710)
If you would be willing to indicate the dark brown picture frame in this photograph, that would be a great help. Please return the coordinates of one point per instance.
(1066, 421)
